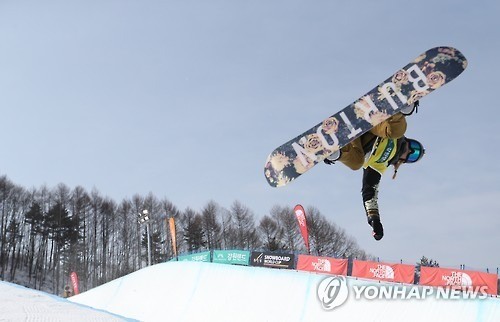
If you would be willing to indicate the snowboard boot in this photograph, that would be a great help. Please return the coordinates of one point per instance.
(373, 216)
(378, 229)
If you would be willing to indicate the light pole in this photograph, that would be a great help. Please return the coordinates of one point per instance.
(144, 219)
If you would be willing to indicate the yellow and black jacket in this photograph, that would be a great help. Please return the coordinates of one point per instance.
(380, 154)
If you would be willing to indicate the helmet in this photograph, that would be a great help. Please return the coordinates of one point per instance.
(416, 153)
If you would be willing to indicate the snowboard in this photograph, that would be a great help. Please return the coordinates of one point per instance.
(428, 72)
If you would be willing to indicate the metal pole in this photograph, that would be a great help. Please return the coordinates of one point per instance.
(149, 244)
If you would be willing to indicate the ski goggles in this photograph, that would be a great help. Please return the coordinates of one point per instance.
(416, 151)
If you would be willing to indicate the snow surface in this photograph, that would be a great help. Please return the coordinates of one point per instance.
(18, 303)
(193, 291)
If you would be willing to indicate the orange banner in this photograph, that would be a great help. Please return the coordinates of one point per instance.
(399, 273)
(171, 222)
(322, 264)
(437, 276)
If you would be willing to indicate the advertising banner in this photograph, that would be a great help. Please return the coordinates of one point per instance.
(399, 273)
(437, 276)
(300, 213)
(322, 265)
(171, 223)
(74, 283)
(238, 257)
(274, 260)
(198, 257)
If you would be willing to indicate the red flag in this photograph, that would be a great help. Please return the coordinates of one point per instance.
(301, 218)
(74, 282)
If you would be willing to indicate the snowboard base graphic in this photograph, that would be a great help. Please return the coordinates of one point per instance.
(428, 72)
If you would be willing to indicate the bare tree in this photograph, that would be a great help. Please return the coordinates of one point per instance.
(192, 224)
(211, 226)
(243, 226)
(6, 213)
(327, 239)
(49, 233)
(271, 234)
(286, 220)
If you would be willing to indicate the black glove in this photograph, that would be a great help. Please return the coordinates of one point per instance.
(416, 104)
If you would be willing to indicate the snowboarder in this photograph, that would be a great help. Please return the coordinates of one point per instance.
(383, 145)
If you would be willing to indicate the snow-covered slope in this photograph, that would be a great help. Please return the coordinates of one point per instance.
(192, 291)
(18, 303)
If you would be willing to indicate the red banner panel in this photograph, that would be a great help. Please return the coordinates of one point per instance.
(322, 264)
(399, 273)
(437, 276)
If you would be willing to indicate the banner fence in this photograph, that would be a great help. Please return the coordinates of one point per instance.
(236, 257)
(446, 277)
(399, 273)
(326, 265)
(380, 271)
(273, 260)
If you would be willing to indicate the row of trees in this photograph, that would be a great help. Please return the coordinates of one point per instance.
(47, 233)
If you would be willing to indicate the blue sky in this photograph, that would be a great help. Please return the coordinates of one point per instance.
(185, 99)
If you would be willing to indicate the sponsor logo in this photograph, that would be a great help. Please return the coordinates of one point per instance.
(382, 272)
(259, 259)
(231, 257)
(272, 260)
(313, 147)
(332, 292)
(387, 151)
(322, 265)
(301, 217)
(457, 278)
(276, 260)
